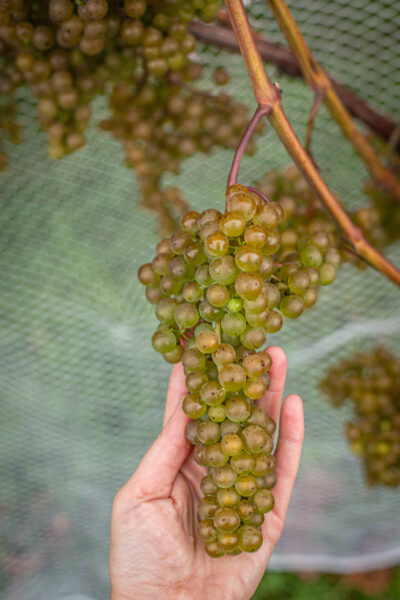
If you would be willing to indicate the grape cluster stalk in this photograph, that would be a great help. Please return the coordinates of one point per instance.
(371, 383)
(220, 284)
(141, 55)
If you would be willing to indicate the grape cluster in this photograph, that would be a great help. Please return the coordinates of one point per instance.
(379, 222)
(371, 381)
(160, 124)
(140, 54)
(218, 288)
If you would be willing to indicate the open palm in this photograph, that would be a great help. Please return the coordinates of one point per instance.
(155, 548)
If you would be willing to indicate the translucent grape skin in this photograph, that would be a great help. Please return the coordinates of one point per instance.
(219, 285)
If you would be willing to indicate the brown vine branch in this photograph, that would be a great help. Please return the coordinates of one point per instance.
(318, 99)
(318, 80)
(284, 59)
(268, 97)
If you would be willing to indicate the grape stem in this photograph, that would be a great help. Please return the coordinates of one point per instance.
(268, 97)
(258, 115)
(256, 191)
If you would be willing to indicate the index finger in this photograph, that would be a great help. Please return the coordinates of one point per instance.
(271, 400)
(176, 389)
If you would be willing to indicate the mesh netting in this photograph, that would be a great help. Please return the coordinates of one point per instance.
(82, 389)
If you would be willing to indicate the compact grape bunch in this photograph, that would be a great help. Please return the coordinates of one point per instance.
(221, 284)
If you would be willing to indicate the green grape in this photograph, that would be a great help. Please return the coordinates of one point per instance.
(238, 408)
(233, 323)
(217, 413)
(193, 406)
(163, 341)
(147, 276)
(233, 224)
(224, 476)
(225, 354)
(169, 285)
(199, 455)
(253, 337)
(207, 342)
(263, 501)
(179, 269)
(267, 267)
(256, 364)
(203, 276)
(257, 320)
(246, 485)
(245, 509)
(259, 416)
(186, 315)
(263, 464)
(153, 295)
(311, 256)
(333, 257)
(190, 222)
(273, 295)
(228, 497)
(212, 393)
(161, 263)
(291, 306)
(256, 236)
(210, 214)
(194, 254)
(243, 203)
(214, 456)
(232, 377)
(208, 432)
(223, 270)
(272, 243)
(207, 486)
(191, 432)
(255, 388)
(248, 285)
(207, 508)
(210, 313)
(179, 241)
(299, 282)
(231, 444)
(256, 306)
(235, 305)
(310, 297)
(192, 292)
(214, 550)
(226, 519)
(248, 258)
(250, 538)
(266, 216)
(207, 531)
(216, 244)
(327, 274)
(242, 463)
(228, 541)
(218, 295)
(229, 426)
(256, 520)
(255, 438)
(193, 360)
(274, 319)
(175, 355)
(208, 229)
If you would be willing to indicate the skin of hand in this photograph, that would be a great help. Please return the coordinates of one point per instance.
(155, 550)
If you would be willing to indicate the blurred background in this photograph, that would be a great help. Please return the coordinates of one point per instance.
(82, 391)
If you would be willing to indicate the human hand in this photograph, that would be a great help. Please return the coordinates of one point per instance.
(155, 549)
